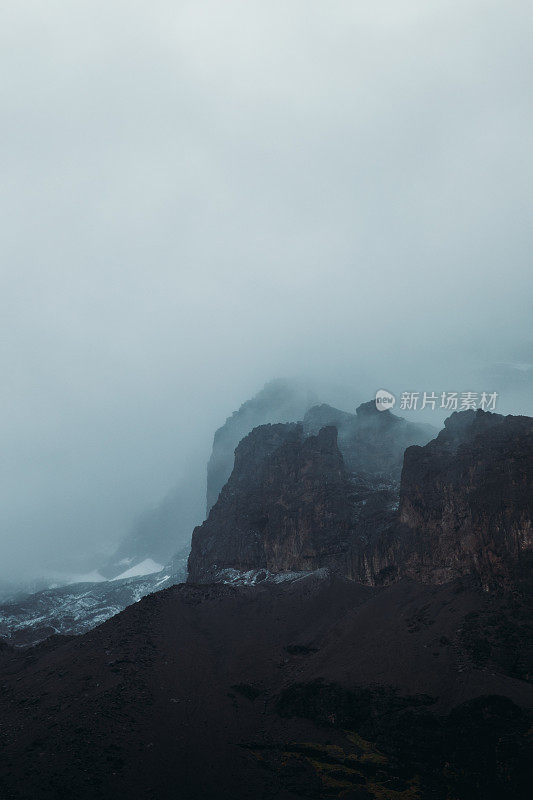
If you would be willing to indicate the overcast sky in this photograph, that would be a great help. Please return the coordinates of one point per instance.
(199, 196)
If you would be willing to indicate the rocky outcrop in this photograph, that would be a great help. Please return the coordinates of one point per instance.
(296, 502)
(288, 505)
(466, 500)
(371, 441)
(280, 400)
(465, 509)
(302, 497)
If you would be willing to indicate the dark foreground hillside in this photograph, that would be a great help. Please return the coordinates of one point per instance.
(317, 688)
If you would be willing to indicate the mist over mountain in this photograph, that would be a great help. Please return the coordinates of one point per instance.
(154, 553)
(279, 401)
(199, 197)
(266, 400)
(162, 530)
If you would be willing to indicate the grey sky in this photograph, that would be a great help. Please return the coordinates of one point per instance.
(199, 196)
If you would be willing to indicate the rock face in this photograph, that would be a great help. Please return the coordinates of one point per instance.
(279, 401)
(299, 500)
(288, 505)
(302, 502)
(467, 500)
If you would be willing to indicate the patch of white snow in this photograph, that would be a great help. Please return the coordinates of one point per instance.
(146, 567)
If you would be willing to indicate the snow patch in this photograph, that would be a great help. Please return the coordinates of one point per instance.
(146, 567)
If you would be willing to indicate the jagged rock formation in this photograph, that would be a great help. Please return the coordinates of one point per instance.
(287, 506)
(292, 503)
(280, 400)
(467, 499)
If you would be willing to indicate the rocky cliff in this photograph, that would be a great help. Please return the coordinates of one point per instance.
(280, 400)
(466, 499)
(288, 505)
(298, 502)
(301, 497)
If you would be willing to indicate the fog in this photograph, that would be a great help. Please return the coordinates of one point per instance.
(197, 197)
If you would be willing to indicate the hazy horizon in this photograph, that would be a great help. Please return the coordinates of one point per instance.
(200, 197)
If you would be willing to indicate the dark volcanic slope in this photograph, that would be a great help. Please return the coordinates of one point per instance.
(320, 688)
